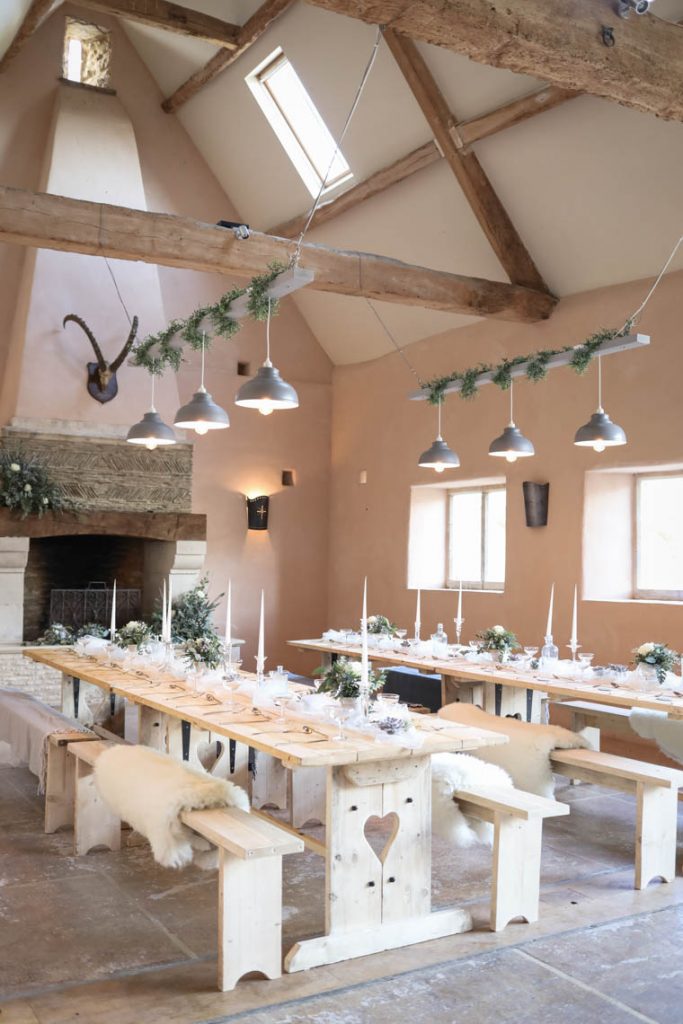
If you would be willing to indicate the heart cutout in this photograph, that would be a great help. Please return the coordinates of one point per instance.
(380, 834)
(209, 754)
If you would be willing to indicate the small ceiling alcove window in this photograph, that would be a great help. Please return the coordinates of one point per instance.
(295, 119)
(87, 54)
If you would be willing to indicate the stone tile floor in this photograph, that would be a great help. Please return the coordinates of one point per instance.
(114, 938)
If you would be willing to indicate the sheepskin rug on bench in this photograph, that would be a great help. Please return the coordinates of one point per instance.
(451, 772)
(150, 790)
(527, 756)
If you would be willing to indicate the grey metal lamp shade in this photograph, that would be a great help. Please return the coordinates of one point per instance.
(599, 433)
(511, 445)
(439, 457)
(267, 391)
(202, 414)
(151, 431)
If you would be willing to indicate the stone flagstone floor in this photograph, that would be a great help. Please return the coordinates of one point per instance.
(114, 939)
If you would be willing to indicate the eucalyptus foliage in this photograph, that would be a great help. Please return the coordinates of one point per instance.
(26, 487)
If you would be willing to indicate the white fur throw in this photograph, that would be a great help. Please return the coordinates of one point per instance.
(656, 725)
(527, 756)
(451, 772)
(149, 790)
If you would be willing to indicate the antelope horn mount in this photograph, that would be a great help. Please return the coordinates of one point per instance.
(102, 384)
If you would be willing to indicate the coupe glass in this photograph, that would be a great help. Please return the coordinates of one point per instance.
(339, 711)
(473, 646)
(585, 662)
(530, 653)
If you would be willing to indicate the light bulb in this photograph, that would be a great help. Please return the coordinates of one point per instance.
(439, 467)
(265, 407)
(200, 428)
(511, 457)
(599, 446)
(150, 445)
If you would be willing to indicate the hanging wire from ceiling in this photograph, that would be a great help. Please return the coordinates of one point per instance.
(116, 287)
(338, 142)
(396, 345)
(634, 316)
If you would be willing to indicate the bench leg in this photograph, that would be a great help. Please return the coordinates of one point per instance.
(516, 870)
(94, 823)
(655, 833)
(59, 788)
(249, 918)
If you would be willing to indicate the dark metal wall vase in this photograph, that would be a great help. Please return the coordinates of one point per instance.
(102, 384)
(536, 499)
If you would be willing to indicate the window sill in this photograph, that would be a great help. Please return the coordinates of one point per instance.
(635, 600)
(455, 590)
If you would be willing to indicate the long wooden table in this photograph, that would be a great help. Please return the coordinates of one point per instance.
(498, 688)
(371, 903)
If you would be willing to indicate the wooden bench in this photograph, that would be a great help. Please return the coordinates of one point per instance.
(656, 790)
(59, 779)
(517, 819)
(590, 718)
(249, 890)
(94, 824)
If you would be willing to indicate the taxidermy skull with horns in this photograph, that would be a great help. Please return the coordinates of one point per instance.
(102, 385)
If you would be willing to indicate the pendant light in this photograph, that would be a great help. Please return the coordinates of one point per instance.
(151, 431)
(439, 456)
(267, 391)
(201, 413)
(512, 444)
(599, 433)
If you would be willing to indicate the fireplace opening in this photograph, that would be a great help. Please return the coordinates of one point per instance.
(69, 580)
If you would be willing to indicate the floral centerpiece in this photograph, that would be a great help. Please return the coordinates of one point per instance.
(56, 634)
(134, 634)
(498, 638)
(342, 678)
(660, 658)
(92, 629)
(191, 615)
(204, 651)
(26, 487)
(379, 625)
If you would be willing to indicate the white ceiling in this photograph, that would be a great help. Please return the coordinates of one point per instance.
(592, 187)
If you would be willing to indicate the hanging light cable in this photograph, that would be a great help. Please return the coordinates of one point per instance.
(599, 433)
(151, 431)
(267, 391)
(201, 413)
(512, 444)
(439, 456)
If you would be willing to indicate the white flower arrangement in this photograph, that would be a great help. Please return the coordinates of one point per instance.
(657, 656)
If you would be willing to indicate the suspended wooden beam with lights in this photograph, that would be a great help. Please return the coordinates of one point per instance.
(608, 348)
(467, 133)
(640, 65)
(171, 18)
(250, 32)
(97, 229)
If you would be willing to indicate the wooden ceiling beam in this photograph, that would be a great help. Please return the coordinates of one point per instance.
(559, 42)
(170, 17)
(469, 131)
(74, 225)
(38, 10)
(479, 192)
(252, 30)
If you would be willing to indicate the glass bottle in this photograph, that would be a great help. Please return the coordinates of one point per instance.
(440, 642)
(549, 653)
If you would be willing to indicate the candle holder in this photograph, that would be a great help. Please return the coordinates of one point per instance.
(459, 623)
(573, 647)
(260, 671)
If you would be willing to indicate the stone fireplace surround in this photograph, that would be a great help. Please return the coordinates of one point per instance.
(119, 492)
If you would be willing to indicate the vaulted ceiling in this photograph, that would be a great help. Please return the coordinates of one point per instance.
(592, 187)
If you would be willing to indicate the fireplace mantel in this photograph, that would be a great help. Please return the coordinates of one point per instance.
(169, 526)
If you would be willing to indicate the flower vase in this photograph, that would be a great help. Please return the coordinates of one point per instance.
(504, 655)
(648, 674)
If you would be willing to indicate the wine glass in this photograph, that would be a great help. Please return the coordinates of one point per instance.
(338, 713)
(530, 653)
(473, 646)
(585, 660)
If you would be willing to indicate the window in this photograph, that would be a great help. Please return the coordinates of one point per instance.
(476, 538)
(659, 536)
(280, 93)
(87, 54)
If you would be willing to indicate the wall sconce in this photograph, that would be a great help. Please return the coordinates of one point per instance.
(257, 512)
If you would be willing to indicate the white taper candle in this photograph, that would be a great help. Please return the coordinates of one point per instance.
(364, 668)
(549, 627)
(164, 614)
(575, 624)
(228, 620)
(460, 603)
(169, 611)
(418, 622)
(261, 655)
(112, 624)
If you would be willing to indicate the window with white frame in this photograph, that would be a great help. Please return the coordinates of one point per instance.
(658, 532)
(294, 118)
(476, 538)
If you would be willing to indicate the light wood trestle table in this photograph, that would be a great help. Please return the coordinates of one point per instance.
(372, 902)
(499, 689)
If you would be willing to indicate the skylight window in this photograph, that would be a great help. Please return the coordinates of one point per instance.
(293, 116)
(87, 53)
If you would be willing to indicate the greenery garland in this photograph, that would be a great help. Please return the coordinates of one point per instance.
(537, 366)
(27, 487)
(164, 349)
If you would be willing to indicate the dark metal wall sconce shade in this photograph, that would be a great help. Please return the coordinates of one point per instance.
(536, 503)
(257, 512)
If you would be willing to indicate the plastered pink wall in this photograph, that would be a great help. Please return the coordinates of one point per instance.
(290, 561)
(375, 428)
